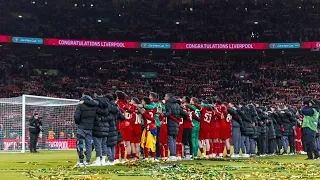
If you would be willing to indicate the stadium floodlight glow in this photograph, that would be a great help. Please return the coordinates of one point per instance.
(33, 2)
(256, 22)
(177, 22)
(56, 114)
(75, 5)
(19, 16)
(99, 20)
(91, 5)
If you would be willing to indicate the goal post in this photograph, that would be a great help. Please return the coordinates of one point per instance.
(56, 115)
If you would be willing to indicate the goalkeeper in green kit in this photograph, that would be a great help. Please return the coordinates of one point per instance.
(196, 125)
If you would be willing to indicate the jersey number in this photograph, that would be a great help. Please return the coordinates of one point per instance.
(138, 119)
(207, 117)
(128, 115)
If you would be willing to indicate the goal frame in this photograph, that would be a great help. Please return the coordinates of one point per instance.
(24, 103)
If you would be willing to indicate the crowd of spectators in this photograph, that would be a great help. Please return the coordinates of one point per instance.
(249, 77)
(218, 21)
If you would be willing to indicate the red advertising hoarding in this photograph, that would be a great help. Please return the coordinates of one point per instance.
(310, 45)
(91, 43)
(5, 38)
(15, 144)
(220, 46)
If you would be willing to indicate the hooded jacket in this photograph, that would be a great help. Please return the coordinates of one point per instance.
(103, 117)
(85, 113)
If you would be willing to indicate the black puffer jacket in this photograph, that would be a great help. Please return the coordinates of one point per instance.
(86, 113)
(293, 120)
(173, 108)
(101, 122)
(277, 124)
(255, 120)
(247, 129)
(114, 116)
(236, 117)
(284, 116)
(263, 121)
(271, 129)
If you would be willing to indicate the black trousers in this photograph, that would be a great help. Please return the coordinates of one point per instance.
(292, 143)
(310, 146)
(262, 144)
(278, 144)
(271, 146)
(33, 142)
(158, 143)
(187, 138)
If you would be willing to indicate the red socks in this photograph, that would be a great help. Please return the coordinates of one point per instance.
(228, 151)
(179, 150)
(166, 149)
(123, 150)
(222, 147)
(201, 150)
(146, 152)
(211, 148)
(153, 154)
(216, 148)
(135, 155)
(117, 151)
(298, 146)
(128, 156)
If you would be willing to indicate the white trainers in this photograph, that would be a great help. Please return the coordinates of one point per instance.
(86, 164)
(172, 158)
(302, 152)
(110, 163)
(245, 155)
(235, 156)
(79, 164)
(96, 163)
(116, 161)
(103, 163)
(179, 158)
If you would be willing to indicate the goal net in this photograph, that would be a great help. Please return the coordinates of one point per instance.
(56, 116)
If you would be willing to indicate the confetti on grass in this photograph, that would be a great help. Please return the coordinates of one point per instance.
(197, 170)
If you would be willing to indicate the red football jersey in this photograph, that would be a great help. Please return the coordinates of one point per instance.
(123, 105)
(149, 120)
(187, 121)
(206, 116)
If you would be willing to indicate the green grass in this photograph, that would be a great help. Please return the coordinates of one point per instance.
(59, 165)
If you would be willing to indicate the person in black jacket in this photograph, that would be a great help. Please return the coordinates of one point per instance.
(35, 127)
(293, 123)
(173, 109)
(112, 137)
(236, 129)
(284, 115)
(277, 128)
(247, 130)
(271, 143)
(84, 118)
(101, 128)
(262, 143)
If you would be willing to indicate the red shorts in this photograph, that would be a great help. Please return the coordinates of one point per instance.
(136, 133)
(204, 133)
(164, 134)
(126, 132)
(225, 132)
(215, 130)
(180, 134)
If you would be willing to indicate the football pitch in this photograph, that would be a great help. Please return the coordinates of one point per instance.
(59, 165)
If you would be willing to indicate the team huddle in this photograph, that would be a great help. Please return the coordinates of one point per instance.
(123, 129)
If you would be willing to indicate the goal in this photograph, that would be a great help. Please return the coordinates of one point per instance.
(56, 116)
